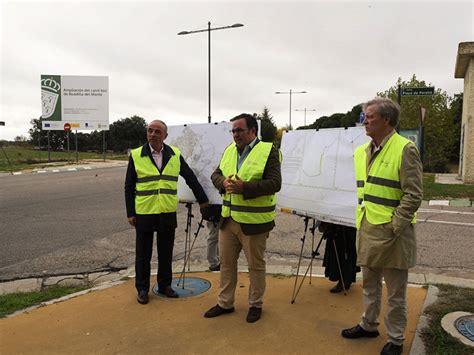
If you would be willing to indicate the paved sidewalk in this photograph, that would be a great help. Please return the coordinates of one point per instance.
(111, 321)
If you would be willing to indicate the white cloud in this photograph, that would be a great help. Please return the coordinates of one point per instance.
(341, 53)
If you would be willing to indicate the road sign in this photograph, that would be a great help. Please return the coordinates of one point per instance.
(426, 91)
(67, 127)
(362, 117)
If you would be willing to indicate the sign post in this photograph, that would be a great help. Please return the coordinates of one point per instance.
(422, 131)
(67, 128)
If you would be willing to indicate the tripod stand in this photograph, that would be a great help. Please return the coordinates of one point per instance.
(314, 253)
(188, 245)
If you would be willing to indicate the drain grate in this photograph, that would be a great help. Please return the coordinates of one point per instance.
(188, 287)
(465, 326)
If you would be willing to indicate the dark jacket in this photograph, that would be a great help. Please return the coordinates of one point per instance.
(269, 185)
(165, 220)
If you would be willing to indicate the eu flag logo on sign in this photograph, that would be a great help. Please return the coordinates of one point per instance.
(47, 125)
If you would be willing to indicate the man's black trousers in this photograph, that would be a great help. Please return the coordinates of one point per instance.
(143, 253)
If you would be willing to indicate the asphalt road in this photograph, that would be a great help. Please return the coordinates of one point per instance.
(75, 222)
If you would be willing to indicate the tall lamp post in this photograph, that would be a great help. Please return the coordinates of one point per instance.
(208, 30)
(290, 93)
(305, 110)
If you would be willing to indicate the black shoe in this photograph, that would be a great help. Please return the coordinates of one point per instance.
(254, 314)
(215, 268)
(142, 297)
(391, 349)
(168, 292)
(217, 311)
(338, 288)
(358, 332)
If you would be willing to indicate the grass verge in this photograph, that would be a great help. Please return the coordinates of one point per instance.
(434, 191)
(13, 302)
(17, 158)
(450, 299)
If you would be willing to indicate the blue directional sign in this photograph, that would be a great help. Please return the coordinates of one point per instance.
(362, 117)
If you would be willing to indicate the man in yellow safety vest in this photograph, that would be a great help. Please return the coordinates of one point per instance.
(389, 176)
(151, 198)
(248, 177)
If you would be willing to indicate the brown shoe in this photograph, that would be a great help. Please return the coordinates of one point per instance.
(142, 297)
(217, 311)
(168, 292)
(254, 314)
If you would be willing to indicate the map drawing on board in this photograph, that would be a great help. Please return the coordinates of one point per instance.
(318, 177)
(201, 145)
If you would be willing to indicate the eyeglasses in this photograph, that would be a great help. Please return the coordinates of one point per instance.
(238, 130)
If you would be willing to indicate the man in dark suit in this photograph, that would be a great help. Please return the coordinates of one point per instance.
(151, 199)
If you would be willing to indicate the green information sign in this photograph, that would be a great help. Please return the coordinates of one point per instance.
(426, 91)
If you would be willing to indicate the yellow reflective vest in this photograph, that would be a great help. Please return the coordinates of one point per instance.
(156, 192)
(250, 211)
(379, 190)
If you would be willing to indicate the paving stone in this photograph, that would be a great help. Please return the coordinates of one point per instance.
(455, 281)
(418, 279)
(280, 269)
(100, 277)
(463, 202)
(25, 285)
(73, 282)
(448, 179)
(439, 203)
(66, 280)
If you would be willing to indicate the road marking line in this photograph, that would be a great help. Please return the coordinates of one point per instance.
(17, 173)
(424, 210)
(56, 171)
(72, 169)
(87, 168)
(41, 171)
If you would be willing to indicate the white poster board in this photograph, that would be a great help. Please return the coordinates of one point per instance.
(202, 146)
(318, 177)
(82, 102)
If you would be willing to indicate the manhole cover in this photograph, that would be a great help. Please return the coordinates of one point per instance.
(188, 287)
(465, 326)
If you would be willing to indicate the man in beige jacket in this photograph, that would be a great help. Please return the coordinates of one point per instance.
(389, 184)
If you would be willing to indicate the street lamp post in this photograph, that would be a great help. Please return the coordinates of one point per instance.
(208, 30)
(305, 110)
(290, 93)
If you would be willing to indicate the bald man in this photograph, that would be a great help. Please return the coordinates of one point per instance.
(151, 199)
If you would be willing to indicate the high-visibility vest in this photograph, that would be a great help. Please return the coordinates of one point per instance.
(156, 192)
(250, 211)
(379, 193)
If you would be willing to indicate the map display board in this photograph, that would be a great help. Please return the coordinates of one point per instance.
(318, 177)
(202, 146)
(80, 102)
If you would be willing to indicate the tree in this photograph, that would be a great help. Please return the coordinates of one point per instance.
(441, 142)
(348, 119)
(127, 133)
(268, 127)
(57, 139)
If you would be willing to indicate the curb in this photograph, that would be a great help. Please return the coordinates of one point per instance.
(417, 346)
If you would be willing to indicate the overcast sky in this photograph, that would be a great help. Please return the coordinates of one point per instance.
(341, 53)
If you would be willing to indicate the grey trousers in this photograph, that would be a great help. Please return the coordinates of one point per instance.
(213, 243)
(396, 316)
